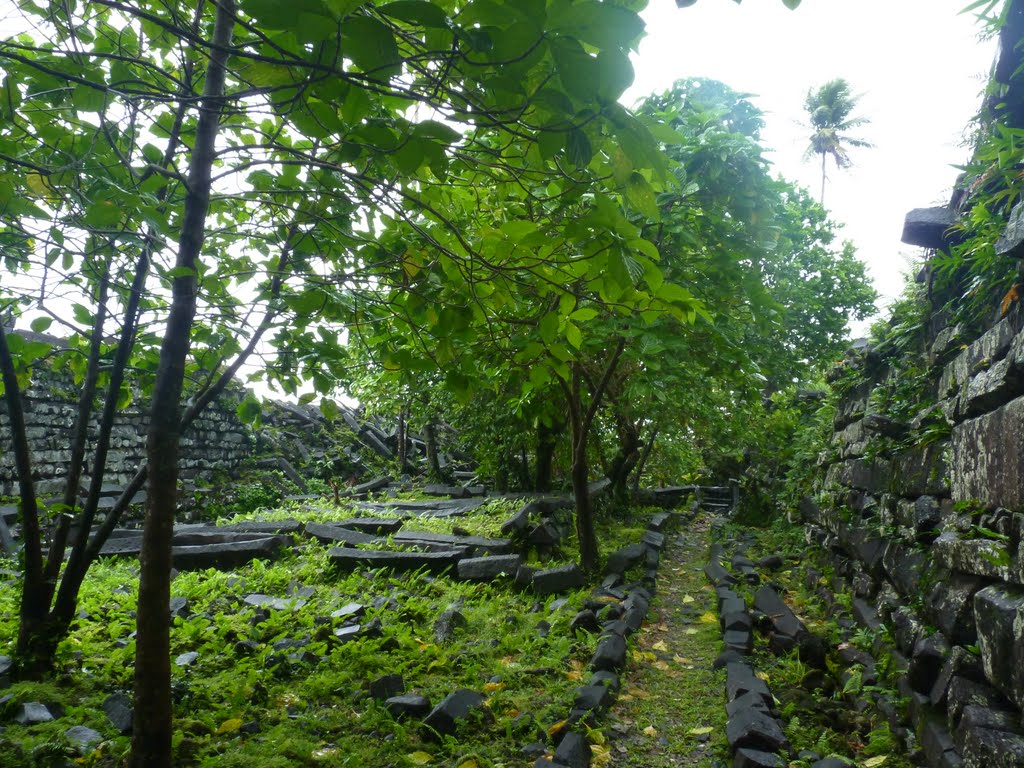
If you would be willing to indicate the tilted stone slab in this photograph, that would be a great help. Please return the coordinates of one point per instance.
(332, 533)
(265, 526)
(383, 526)
(455, 707)
(929, 227)
(475, 544)
(439, 508)
(553, 580)
(195, 548)
(436, 562)
(783, 620)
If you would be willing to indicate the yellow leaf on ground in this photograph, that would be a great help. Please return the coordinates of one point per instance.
(651, 731)
(874, 762)
(469, 764)
(709, 618)
(681, 659)
(229, 726)
(700, 731)
(420, 758)
(689, 631)
(660, 665)
(557, 727)
(687, 599)
(600, 756)
(660, 646)
(492, 687)
(511, 713)
(638, 693)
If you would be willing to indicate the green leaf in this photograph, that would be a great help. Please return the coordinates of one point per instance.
(583, 315)
(549, 327)
(433, 129)
(102, 214)
(88, 99)
(517, 229)
(641, 197)
(602, 25)
(791, 4)
(371, 46)
(573, 335)
(249, 410)
(579, 148)
(41, 324)
(418, 12)
(329, 409)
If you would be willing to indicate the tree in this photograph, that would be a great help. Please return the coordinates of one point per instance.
(830, 110)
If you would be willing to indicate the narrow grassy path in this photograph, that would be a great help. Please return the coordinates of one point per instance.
(671, 710)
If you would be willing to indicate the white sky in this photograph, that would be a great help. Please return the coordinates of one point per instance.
(919, 65)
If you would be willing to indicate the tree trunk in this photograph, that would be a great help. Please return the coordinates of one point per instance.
(34, 602)
(403, 439)
(430, 443)
(625, 459)
(824, 157)
(639, 471)
(151, 737)
(547, 442)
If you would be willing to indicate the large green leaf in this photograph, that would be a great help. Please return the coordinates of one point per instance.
(371, 46)
(600, 24)
(418, 12)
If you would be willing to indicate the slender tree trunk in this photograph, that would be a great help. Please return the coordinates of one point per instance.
(547, 442)
(403, 439)
(34, 602)
(626, 457)
(639, 471)
(151, 737)
(824, 157)
(580, 422)
(430, 443)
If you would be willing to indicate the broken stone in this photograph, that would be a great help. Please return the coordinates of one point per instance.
(755, 758)
(625, 558)
(455, 707)
(274, 603)
(435, 562)
(33, 713)
(386, 687)
(999, 613)
(408, 705)
(610, 654)
(82, 738)
(450, 620)
(585, 621)
(118, 709)
(332, 533)
(752, 728)
(573, 751)
(488, 568)
(592, 697)
(553, 580)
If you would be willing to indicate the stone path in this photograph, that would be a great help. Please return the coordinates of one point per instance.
(671, 711)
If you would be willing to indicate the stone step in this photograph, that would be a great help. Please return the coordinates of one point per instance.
(346, 559)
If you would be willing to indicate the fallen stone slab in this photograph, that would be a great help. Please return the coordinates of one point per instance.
(653, 539)
(740, 679)
(386, 687)
(478, 545)
(439, 508)
(661, 521)
(753, 729)
(592, 697)
(377, 484)
(518, 522)
(783, 620)
(33, 713)
(624, 558)
(274, 603)
(195, 549)
(455, 707)
(488, 568)
(264, 526)
(408, 705)
(452, 491)
(435, 562)
(332, 533)
(82, 738)
(553, 580)
(718, 574)
(383, 526)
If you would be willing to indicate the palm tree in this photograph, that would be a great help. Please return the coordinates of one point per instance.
(829, 107)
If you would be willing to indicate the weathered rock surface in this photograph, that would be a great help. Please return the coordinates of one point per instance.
(435, 562)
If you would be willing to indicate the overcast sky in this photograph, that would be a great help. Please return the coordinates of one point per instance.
(919, 65)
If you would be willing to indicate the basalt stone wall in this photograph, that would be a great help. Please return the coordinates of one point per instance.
(921, 503)
(216, 440)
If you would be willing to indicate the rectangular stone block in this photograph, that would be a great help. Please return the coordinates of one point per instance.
(921, 471)
(987, 463)
(990, 347)
(999, 612)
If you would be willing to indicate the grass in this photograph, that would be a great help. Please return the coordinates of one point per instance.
(243, 701)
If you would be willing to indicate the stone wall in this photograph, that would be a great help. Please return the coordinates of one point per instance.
(216, 440)
(921, 503)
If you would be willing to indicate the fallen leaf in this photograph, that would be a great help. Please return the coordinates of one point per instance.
(229, 726)
(700, 731)
(681, 659)
(651, 731)
(874, 762)
(600, 756)
(708, 618)
(687, 599)
(469, 764)
(660, 646)
(511, 713)
(492, 687)
(638, 693)
(420, 758)
(557, 728)
(660, 665)
(689, 631)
